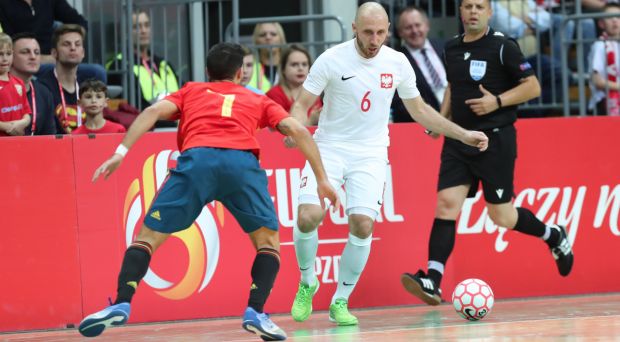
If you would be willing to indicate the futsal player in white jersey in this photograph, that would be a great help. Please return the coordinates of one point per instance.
(359, 78)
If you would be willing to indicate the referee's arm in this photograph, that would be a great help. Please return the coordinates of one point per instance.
(527, 89)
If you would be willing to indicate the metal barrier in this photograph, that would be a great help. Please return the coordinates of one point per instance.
(549, 61)
(178, 35)
(230, 30)
(581, 69)
(183, 42)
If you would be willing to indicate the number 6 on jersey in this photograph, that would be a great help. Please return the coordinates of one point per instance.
(365, 106)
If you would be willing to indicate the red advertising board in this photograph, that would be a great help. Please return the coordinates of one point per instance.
(39, 259)
(566, 173)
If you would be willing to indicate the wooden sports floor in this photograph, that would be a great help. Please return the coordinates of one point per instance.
(574, 318)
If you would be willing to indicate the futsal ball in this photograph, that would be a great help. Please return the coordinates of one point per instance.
(472, 299)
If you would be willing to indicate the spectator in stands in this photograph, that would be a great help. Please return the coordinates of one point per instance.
(248, 67)
(424, 55)
(605, 60)
(26, 63)
(62, 80)
(265, 72)
(93, 100)
(155, 77)
(14, 108)
(38, 17)
(294, 67)
(568, 31)
(523, 20)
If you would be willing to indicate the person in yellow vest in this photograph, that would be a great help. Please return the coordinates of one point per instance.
(155, 77)
(265, 72)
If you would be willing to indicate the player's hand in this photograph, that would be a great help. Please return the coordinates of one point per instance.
(483, 105)
(327, 191)
(476, 139)
(289, 142)
(108, 167)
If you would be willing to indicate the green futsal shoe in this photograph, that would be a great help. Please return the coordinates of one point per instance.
(302, 305)
(339, 313)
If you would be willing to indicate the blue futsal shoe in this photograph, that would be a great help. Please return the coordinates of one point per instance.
(261, 325)
(94, 324)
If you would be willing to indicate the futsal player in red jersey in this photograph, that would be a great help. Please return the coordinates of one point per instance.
(218, 161)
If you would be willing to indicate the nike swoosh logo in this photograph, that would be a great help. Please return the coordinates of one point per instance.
(346, 284)
(346, 78)
(304, 269)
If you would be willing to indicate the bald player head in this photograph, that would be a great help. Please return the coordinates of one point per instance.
(371, 27)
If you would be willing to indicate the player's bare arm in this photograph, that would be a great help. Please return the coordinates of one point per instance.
(292, 128)
(299, 110)
(445, 111)
(527, 89)
(161, 110)
(433, 121)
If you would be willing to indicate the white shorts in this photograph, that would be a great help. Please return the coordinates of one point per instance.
(362, 171)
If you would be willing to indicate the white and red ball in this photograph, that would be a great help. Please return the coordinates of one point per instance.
(472, 299)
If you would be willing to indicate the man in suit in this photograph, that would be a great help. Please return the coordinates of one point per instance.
(425, 57)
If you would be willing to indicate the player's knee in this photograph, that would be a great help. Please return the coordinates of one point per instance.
(447, 208)
(309, 217)
(501, 218)
(266, 238)
(361, 225)
(152, 237)
(503, 215)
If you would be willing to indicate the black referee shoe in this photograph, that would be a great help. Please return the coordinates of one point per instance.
(562, 252)
(422, 287)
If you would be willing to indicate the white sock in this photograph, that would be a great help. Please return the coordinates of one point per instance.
(435, 265)
(352, 264)
(306, 245)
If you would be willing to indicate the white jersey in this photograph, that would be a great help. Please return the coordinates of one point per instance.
(358, 93)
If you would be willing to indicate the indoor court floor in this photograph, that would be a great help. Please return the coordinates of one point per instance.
(571, 318)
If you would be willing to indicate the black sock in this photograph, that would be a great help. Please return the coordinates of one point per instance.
(527, 223)
(264, 271)
(135, 264)
(440, 245)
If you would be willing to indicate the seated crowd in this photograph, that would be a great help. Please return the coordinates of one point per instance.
(46, 89)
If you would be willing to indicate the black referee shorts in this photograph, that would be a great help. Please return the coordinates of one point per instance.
(462, 164)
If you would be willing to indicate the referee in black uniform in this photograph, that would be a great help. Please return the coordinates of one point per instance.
(488, 77)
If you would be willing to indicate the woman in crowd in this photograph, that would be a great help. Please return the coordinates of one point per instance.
(294, 68)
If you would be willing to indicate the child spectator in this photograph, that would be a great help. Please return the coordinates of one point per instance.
(248, 67)
(93, 100)
(604, 60)
(14, 108)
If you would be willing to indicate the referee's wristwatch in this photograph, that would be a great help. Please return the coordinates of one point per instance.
(499, 101)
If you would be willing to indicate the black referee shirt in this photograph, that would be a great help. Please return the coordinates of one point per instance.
(496, 62)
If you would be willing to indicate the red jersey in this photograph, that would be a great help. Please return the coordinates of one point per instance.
(108, 127)
(13, 100)
(222, 114)
(279, 96)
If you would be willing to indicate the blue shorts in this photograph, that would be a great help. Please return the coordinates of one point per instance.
(204, 174)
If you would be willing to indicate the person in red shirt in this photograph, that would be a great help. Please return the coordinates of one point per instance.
(93, 99)
(294, 67)
(219, 161)
(14, 108)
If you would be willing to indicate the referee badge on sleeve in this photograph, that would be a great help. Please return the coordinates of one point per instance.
(477, 69)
